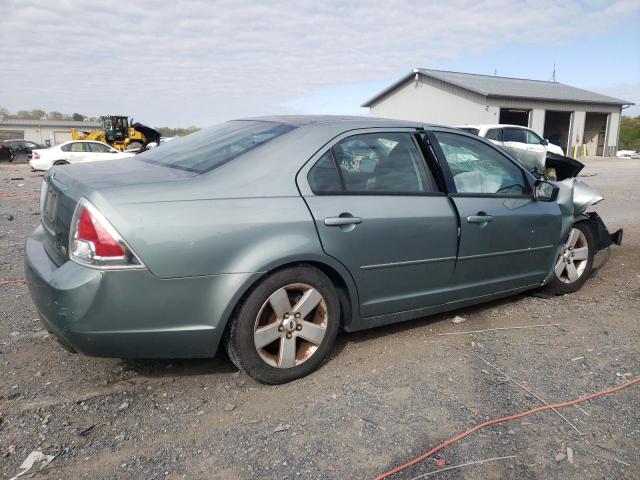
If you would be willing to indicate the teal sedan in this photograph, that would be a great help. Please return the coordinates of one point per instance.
(270, 235)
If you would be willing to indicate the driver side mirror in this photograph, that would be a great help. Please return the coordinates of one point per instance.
(113, 150)
(545, 142)
(545, 191)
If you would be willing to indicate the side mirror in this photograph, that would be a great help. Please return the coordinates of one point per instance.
(113, 150)
(545, 142)
(545, 191)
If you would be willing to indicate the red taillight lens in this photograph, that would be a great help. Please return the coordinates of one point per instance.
(90, 230)
(94, 242)
(36, 155)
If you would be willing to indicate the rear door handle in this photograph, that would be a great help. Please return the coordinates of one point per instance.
(479, 218)
(342, 221)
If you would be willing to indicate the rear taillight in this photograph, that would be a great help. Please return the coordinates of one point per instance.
(94, 242)
(36, 155)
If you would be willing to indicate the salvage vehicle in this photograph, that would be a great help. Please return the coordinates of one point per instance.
(74, 152)
(7, 153)
(269, 235)
(22, 147)
(121, 133)
(521, 142)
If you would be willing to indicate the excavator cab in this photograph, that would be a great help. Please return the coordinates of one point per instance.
(116, 128)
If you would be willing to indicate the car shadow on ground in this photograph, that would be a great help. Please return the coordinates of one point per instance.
(221, 365)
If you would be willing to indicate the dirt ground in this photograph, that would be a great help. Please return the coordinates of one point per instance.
(385, 396)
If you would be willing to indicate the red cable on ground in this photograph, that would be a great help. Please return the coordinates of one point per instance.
(501, 420)
(14, 282)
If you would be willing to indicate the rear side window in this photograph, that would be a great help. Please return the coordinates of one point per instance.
(494, 134)
(372, 163)
(207, 149)
(478, 168)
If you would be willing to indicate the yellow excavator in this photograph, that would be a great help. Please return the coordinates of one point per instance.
(120, 133)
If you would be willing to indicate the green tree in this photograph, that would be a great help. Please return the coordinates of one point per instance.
(55, 116)
(77, 117)
(630, 133)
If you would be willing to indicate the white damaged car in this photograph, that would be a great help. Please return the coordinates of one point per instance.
(76, 151)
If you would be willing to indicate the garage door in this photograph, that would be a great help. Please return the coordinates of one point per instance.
(60, 136)
(11, 135)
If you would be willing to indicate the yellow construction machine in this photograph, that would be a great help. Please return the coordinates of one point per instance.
(120, 133)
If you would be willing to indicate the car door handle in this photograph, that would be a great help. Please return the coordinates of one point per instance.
(479, 218)
(342, 221)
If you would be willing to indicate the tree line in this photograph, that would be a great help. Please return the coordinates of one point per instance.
(630, 133)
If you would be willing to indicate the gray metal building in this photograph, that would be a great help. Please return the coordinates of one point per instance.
(45, 132)
(565, 115)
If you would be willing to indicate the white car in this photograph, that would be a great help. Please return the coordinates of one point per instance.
(75, 151)
(521, 142)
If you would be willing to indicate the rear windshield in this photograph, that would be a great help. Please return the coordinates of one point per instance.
(475, 131)
(209, 148)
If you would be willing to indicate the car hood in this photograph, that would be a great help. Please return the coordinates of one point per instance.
(566, 167)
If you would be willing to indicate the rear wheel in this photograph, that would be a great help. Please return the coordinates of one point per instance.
(61, 162)
(573, 265)
(286, 327)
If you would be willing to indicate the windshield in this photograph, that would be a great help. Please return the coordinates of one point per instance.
(209, 148)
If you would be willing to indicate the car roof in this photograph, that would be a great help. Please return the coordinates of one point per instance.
(347, 120)
(491, 125)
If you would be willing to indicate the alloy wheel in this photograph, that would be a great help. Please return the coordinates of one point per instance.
(290, 325)
(574, 257)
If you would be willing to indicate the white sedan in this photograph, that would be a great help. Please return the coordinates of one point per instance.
(79, 151)
(521, 142)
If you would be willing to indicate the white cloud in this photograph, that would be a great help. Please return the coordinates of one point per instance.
(197, 62)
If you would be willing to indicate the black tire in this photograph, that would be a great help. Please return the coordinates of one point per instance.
(239, 338)
(562, 285)
(61, 162)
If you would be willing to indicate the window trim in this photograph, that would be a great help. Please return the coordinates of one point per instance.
(453, 191)
(344, 192)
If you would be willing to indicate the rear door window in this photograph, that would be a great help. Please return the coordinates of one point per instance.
(77, 147)
(375, 163)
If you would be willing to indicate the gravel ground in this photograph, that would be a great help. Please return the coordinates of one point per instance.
(386, 396)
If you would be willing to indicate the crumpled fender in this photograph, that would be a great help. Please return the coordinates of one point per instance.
(574, 197)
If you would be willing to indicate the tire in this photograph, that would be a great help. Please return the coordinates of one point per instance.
(61, 162)
(567, 266)
(261, 338)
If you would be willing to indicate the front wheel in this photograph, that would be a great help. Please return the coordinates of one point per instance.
(574, 263)
(286, 327)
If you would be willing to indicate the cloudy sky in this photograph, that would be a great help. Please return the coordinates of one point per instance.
(195, 62)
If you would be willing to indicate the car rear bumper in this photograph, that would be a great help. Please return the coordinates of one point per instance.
(129, 313)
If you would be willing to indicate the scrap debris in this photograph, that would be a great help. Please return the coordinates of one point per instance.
(35, 457)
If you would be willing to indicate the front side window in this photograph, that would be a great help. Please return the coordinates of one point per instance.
(99, 148)
(209, 148)
(515, 135)
(478, 168)
(533, 138)
(372, 163)
(494, 134)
